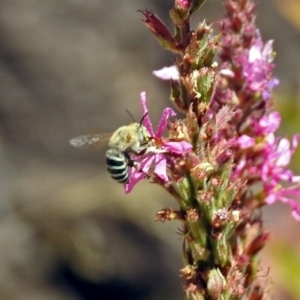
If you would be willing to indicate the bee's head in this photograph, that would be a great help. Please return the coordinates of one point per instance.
(143, 134)
(141, 131)
(140, 138)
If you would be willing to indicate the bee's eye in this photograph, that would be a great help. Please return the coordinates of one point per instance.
(141, 134)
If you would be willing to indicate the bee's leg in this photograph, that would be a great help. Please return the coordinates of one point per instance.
(155, 150)
(133, 164)
(150, 150)
(130, 161)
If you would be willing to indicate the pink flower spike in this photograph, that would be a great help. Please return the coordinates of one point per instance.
(167, 73)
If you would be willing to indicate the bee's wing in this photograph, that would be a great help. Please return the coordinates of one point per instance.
(90, 140)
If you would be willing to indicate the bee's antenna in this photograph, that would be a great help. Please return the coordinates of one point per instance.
(130, 114)
(144, 116)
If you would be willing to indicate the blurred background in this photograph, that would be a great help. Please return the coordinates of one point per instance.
(67, 230)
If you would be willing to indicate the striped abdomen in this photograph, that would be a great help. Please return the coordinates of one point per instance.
(117, 166)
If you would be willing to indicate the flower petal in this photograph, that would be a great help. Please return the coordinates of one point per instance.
(284, 153)
(146, 122)
(178, 147)
(227, 73)
(147, 163)
(134, 177)
(269, 123)
(167, 73)
(295, 142)
(167, 113)
(245, 141)
(161, 167)
(286, 195)
(296, 214)
(156, 162)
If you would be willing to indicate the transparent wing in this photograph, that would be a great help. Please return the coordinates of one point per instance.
(90, 140)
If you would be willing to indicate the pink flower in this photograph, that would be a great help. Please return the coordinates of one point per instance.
(277, 156)
(286, 195)
(268, 124)
(183, 4)
(257, 67)
(271, 166)
(160, 158)
(245, 141)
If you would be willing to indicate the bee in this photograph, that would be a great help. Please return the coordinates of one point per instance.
(123, 143)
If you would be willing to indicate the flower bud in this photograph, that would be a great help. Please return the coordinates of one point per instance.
(201, 171)
(181, 12)
(222, 252)
(183, 188)
(160, 31)
(192, 125)
(168, 214)
(215, 284)
(219, 218)
(258, 243)
(204, 82)
(176, 97)
(183, 4)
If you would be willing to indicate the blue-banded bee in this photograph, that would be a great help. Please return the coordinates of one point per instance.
(125, 141)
